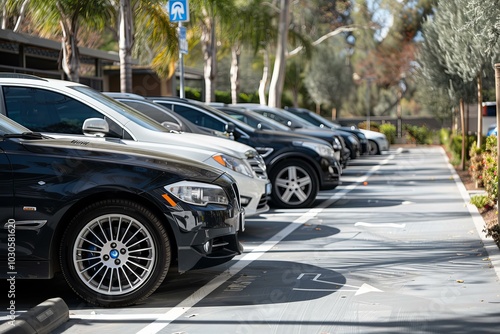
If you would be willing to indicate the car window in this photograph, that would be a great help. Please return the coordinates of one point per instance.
(199, 118)
(272, 116)
(155, 112)
(310, 119)
(46, 111)
(124, 110)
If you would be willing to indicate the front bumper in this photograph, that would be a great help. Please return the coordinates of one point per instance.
(330, 174)
(206, 238)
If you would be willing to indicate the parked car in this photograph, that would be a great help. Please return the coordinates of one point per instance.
(252, 198)
(376, 141)
(298, 166)
(112, 219)
(492, 130)
(258, 121)
(319, 121)
(297, 124)
(59, 107)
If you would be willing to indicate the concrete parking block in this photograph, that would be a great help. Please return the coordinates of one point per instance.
(41, 319)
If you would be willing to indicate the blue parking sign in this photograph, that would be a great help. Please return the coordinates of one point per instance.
(183, 45)
(178, 10)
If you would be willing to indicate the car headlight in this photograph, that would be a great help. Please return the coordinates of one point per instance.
(197, 193)
(323, 150)
(235, 164)
(336, 144)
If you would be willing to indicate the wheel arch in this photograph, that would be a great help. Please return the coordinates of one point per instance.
(120, 195)
(297, 156)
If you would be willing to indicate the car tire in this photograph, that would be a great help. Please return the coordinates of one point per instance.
(373, 148)
(295, 184)
(115, 253)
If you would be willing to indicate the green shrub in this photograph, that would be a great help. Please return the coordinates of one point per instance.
(419, 134)
(389, 130)
(490, 169)
(480, 201)
(444, 137)
(223, 96)
(476, 164)
(192, 93)
(374, 126)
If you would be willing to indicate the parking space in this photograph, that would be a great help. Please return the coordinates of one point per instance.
(394, 249)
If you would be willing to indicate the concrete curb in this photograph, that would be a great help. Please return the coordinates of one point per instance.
(41, 319)
(489, 244)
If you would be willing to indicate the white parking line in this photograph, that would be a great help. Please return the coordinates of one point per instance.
(165, 319)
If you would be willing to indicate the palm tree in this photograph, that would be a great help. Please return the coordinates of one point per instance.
(69, 16)
(157, 35)
(207, 14)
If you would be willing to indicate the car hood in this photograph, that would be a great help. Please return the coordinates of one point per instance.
(372, 134)
(88, 148)
(324, 134)
(270, 136)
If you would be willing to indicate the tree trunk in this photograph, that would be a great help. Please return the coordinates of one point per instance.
(126, 40)
(479, 109)
(235, 72)
(20, 18)
(263, 80)
(462, 125)
(278, 78)
(70, 60)
(209, 56)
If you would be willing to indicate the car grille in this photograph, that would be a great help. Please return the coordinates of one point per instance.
(262, 202)
(258, 166)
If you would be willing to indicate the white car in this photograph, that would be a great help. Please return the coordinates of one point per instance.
(58, 107)
(377, 141)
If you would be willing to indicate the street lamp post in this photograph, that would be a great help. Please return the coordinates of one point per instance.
(368, 101)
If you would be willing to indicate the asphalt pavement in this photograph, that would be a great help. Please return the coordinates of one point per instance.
(397, 248)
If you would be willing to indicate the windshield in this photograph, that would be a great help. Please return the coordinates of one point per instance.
(253, 119)
(242, 125)
(8, 126)
(124, 110)
(317, 120)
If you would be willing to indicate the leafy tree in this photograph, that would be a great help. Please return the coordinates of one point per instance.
(435, 71)
(207, 14)
(156, 42)
(69, 16)
(471, 61)
(328, 79)
(13, 13)
(484, 23)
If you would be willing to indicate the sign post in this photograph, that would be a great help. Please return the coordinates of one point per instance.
(179, 12)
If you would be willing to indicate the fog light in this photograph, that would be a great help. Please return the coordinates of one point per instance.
(330, 169)
(206, 247)
(245, 200)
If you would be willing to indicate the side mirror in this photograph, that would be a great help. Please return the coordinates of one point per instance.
(230, 127)
(292, 124)
(95, 127)
(172, 126)
(230, 130)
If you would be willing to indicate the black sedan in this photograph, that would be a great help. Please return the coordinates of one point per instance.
(113, 220)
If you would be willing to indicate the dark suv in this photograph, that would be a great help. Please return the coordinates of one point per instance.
(323, 123)
(110, 218)
(298, 166)
(298, 124)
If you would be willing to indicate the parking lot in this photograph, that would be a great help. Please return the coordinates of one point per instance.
(396, 248)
